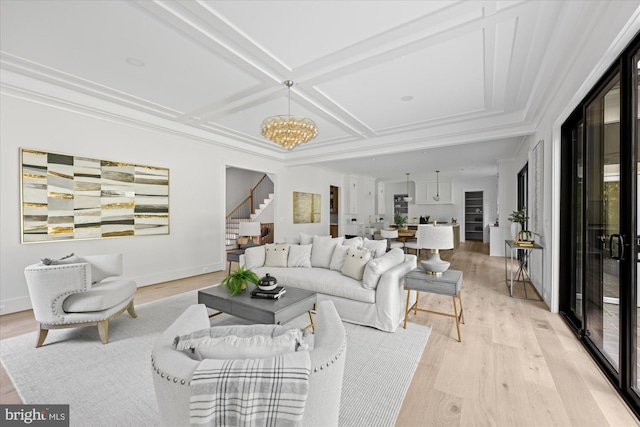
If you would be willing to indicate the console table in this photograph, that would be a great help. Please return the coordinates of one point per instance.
(520, 274)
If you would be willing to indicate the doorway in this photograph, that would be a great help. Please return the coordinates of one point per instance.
(334, 210)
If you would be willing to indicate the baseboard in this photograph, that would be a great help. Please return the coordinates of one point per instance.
(15, 305)
(166, 276)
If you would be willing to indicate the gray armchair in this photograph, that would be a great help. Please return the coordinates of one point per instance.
(75, 293)
(173, 369)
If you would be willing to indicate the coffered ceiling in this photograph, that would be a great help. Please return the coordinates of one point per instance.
(394, 86)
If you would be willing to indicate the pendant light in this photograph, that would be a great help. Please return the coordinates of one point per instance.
(437, 196)
(407, 198)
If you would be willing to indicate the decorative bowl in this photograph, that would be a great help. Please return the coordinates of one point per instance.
(268, 283)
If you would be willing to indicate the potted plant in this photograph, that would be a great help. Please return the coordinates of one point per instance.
(399, 220)
(236, 282)
(519, 218)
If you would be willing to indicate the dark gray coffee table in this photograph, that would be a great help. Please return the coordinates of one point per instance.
(292, 304)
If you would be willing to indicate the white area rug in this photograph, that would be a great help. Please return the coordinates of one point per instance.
(111, 385)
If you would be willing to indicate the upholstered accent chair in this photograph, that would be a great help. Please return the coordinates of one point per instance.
(79, 291)
(173, 369)
(391, 236)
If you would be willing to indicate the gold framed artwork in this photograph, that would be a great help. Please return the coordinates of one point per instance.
(66, 197)
(307, 208)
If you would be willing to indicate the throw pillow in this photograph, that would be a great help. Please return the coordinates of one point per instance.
(377, 247)
(68, 259)
(338, 257)
(292, 240)
(276, 254)
(254, 257)
(241, 342)
(299, 256)
(355, 262)
(356, 242)
(378, 266)
(306, 239)
(322, 250)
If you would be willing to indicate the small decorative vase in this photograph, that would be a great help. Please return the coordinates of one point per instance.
(515, 229)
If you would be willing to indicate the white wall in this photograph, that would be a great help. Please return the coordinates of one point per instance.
(197, 193)
(310, 180)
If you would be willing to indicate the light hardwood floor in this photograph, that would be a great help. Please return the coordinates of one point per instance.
(517, 365)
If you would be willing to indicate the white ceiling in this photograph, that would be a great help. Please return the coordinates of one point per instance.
(478, 72)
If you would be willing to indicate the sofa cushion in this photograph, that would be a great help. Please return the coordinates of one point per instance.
(299, 256)
(295, 240)
(355, 262)
(254, 257)
(101, 296)
(377, 247)
(322, 281)
(322, 250)
(356, 242)
(378, 266)
(337, 259)
(276, 254)
(241, 342)
(306, 239)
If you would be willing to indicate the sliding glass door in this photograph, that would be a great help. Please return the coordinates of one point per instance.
(599, 239)
(602, 223)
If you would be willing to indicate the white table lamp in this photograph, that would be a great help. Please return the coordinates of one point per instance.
(249, 230)
(434, 238)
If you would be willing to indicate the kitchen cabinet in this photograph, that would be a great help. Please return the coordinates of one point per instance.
(399, 205)
(353, 194)
(425, 191)
(380, 200)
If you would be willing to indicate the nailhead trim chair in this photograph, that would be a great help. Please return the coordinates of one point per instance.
(173, 369)
(65, 296)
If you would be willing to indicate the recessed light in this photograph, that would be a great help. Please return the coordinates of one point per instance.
(135, 61)
(406, 98)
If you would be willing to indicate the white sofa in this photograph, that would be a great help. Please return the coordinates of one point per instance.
(381, 306)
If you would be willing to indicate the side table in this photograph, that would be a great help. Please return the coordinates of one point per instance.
(234, 256)
(449, 283)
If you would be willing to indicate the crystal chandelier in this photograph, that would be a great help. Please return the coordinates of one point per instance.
(289, 131)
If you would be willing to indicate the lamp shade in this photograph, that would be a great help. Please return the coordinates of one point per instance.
(249, 229)
(435, 236)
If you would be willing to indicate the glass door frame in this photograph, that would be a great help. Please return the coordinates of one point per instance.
(626, 380)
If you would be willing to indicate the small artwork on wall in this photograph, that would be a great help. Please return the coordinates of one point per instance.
(306, 208)
(66, 197)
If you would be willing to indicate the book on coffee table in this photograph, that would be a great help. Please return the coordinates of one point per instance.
(272, 294)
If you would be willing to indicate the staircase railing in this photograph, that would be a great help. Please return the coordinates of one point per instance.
(260, 191)
(257, 194)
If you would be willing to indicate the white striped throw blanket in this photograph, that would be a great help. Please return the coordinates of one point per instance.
(251, 392)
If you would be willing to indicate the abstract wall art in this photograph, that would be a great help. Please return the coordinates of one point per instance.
(66, 197)
(306, 208)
